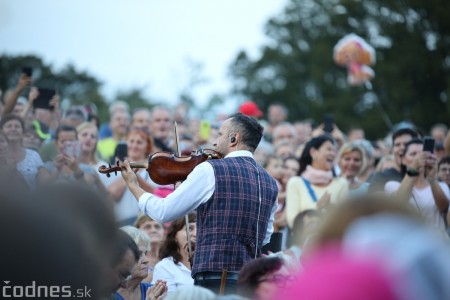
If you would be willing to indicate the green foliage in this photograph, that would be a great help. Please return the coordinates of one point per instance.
(296, 67)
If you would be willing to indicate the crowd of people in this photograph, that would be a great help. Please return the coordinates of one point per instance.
(293, 210)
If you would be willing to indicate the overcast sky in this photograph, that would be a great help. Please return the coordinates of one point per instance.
(142, 43)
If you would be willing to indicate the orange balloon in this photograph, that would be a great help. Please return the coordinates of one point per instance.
(353, 49)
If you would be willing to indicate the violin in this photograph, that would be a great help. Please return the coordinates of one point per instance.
(166, 167)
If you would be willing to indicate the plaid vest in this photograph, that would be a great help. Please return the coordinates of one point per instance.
(227, 224)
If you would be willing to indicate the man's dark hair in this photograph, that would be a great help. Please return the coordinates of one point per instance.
(411, 142)
(64, 128)
(444, 160)
(10, 117)
(253, 271)
(404, 131)
(61, 253)
(249, 128)
(86, 208)
(125, 242)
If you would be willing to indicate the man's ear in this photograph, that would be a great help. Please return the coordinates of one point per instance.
(236, 137)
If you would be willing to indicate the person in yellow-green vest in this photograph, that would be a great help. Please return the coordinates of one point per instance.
(119, 123)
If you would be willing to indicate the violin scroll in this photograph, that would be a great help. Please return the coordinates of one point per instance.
(105, 170)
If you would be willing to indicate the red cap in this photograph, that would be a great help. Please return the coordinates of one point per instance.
(250, 108)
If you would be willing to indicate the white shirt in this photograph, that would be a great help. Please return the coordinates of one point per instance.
(175, 275)
(423, 201)
(29, 167)
(197, 189)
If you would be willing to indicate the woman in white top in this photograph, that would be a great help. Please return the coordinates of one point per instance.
(420, 185)
(175, 266)
(28, 162)
(140, 145)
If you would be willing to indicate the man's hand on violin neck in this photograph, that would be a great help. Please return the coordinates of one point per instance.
(129, 175)
(130, 178)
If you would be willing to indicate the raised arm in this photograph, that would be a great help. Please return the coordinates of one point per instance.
(34, 93)
(11, 98)
(412, 175)
(440, 199)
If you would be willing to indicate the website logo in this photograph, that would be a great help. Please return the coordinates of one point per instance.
(33, 290)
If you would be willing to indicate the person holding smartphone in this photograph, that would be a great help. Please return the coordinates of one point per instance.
(420, 186)
(66, 165)
(328, 126)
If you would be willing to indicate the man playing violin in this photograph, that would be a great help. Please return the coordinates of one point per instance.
(235, 199)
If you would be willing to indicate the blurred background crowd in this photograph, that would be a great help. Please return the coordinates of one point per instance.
(341, 196)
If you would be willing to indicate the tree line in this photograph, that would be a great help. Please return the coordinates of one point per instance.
(296, 66)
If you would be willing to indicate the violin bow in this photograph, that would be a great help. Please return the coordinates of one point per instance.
(186, 217)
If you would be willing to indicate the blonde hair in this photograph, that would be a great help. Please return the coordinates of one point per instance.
(351, 147)
(85, 125)
(141, 219)
(138, 236)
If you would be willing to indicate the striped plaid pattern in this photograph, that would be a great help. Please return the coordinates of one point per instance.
(227, 223)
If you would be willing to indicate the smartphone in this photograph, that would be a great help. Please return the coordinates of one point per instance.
(121, 151)
(205, 130)
(428, 144)
(72, 148)
(328, 123)
(27, 71)
(43, 99)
